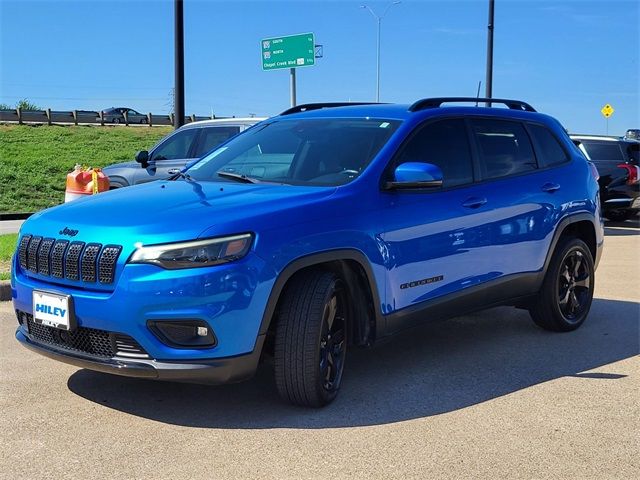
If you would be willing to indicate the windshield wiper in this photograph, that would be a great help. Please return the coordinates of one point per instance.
(238, 177)
(181, 174)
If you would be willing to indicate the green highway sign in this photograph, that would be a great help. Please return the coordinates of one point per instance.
(292, 51)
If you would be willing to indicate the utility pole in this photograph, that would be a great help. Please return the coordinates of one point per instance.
(379, 20)
(489, 81)
(178, 117)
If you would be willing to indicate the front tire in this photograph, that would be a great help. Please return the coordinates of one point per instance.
(567, 290)
(311, 339)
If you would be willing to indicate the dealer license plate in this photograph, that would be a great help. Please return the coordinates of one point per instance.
(52, 309)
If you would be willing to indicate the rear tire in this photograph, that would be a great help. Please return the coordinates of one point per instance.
(618, 215)
(565, 298)
(311, 339)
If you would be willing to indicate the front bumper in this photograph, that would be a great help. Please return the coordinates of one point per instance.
(230, 298)
(209, 371)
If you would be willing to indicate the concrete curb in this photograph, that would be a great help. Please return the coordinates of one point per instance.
(5, 291)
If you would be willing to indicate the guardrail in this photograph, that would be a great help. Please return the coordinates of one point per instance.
(84, 117)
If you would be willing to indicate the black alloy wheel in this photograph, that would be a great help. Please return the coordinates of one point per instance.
(565, 297)
(573, 286)
(311, 338)
(333, 341)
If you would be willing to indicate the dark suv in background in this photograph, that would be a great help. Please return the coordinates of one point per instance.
(617, 162)
(175, 150)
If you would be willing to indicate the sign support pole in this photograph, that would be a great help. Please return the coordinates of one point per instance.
(292, 77)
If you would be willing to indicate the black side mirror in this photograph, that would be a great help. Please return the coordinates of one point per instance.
(142, 157)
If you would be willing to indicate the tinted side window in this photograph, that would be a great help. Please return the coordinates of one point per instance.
(551, 153)
(176, 146)
(603, 151)
(445, 144)
(211, 137)
(504, 147)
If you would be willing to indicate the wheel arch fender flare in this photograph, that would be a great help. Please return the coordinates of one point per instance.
(561, 228)
(117, 181)
(316, 259)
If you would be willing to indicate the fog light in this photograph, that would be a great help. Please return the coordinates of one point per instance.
(183, 333)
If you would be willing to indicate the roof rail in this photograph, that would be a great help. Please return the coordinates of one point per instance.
(305, 107)
(437, 102)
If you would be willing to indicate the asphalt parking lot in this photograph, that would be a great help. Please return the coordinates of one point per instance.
(482, 396)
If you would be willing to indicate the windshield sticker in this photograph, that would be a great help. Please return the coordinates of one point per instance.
(384, 124)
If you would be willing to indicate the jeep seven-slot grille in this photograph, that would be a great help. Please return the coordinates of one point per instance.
(57, 258)
(88, 263)
(90, 341)
(43, 256)
(70, 260)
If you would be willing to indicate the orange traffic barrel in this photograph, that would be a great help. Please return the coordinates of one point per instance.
(85, 181)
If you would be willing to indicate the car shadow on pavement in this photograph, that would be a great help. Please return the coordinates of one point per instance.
(437, 368)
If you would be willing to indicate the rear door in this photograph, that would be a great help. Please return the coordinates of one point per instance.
(169, 156)
(212, 136)
(525, 199)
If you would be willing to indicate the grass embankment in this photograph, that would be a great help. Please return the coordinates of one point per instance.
(7, 247)
(34, 160)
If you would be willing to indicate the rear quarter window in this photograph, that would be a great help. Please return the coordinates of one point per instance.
(548, 148)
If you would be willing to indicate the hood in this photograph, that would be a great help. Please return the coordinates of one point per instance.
(168, 211)
(116, 166)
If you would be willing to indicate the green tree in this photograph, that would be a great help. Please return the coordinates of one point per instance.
(25, 104)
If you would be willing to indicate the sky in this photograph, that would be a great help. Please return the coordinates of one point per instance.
(566, 58)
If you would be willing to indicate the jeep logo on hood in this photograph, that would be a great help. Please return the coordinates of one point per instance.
(68, 231)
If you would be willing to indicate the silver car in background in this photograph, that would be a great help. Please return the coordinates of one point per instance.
(175, 150)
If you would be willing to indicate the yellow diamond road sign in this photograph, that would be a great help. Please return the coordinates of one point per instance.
(607, 110)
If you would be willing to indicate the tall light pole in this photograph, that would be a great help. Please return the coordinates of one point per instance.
(489, 80)
(379, 20)
(178, 102)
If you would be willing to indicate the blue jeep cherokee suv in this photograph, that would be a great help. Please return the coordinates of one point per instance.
(326, 227)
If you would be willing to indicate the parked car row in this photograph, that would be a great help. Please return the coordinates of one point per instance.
(617, 160)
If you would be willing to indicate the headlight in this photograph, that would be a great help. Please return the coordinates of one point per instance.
(199, 253)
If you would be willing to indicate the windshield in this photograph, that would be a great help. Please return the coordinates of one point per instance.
(298, 152)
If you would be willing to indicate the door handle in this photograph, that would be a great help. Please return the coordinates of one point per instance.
(550, 187)
(474, 202)
(173, 171)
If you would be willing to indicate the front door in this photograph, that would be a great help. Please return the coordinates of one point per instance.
(171, 155)
(437, 240)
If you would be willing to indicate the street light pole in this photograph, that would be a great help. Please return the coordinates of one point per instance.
(489, 80)
(178, 106)
(379, 20)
